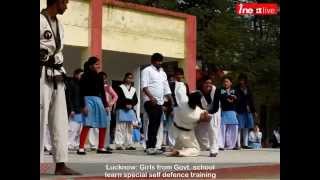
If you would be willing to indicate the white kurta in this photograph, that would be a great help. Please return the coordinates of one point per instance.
(185, 141)
(208, 133)
(49, 44)
(47, 139)
(53, 109)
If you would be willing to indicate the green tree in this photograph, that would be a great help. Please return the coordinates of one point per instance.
(249, 44)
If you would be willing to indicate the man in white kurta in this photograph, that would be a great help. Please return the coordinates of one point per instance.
(185, 120)
(53, 110)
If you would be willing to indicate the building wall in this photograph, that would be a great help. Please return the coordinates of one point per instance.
(75, 21)
(97, 25)
(139, 32)
(123, 27)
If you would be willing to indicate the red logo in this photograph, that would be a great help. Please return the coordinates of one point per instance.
(257, 9)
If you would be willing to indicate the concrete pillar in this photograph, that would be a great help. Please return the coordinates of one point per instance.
(95, 29)
(191, 52)
(136, 75)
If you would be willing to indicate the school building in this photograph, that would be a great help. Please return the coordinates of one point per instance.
(125, 35)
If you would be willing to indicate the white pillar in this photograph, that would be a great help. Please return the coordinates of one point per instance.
(137, 86)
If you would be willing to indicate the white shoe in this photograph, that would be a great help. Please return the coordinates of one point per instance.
(81, 150)
(151, 151)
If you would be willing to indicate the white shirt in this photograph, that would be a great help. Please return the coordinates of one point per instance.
(277, 135)
(184, 116)
(216, 118)
(54, 26)
(204, 103)
(177, 91)
(255, 137)
(48, 42)
(128, 93)
(156, 82)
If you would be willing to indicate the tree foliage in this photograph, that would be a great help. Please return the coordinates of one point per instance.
(240, 44)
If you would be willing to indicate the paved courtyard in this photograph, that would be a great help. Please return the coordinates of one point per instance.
(234, 164)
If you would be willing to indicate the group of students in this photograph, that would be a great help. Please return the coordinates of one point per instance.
(208, 118)
(90, 102)
(216, 118)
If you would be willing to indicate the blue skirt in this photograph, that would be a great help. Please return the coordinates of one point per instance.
(229, 117)
(245, 120)
(78, 118)
(126, 116)
(97, 116)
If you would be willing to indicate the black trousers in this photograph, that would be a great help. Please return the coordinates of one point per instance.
(154, 113)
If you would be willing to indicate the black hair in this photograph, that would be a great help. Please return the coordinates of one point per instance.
(170, 76)
(77, 71)
(51, 2)
(227, 77)
(86, 67)
(156, 57)
(178, 71)
(278, 128)
(195, 99)
(91, 61)
(205, 78)
(127, 75)
(103, 74)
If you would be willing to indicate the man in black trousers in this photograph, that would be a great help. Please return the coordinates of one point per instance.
(155, 88)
